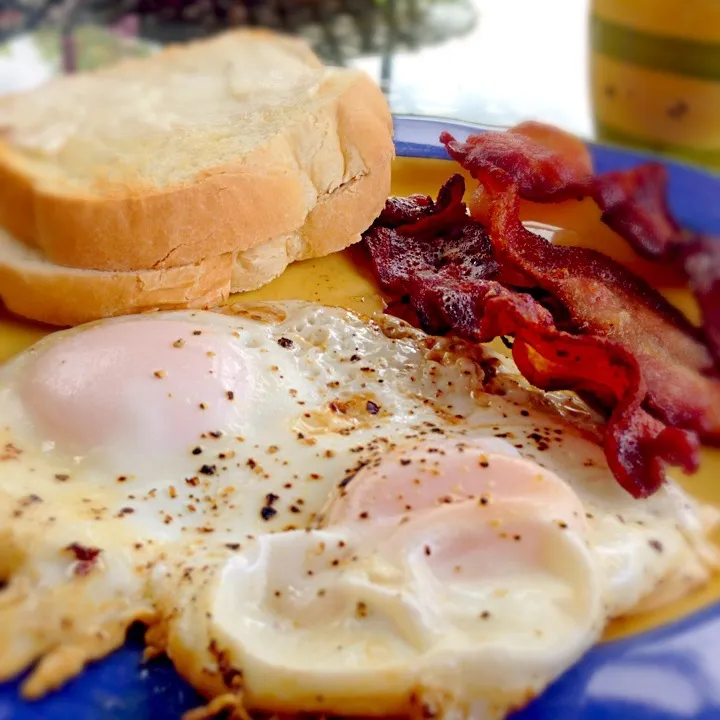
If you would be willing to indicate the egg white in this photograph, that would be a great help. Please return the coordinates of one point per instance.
(182, 531)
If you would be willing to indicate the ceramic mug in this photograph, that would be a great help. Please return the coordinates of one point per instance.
(655, 75)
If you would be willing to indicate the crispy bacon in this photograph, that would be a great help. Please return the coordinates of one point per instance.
(546, 165)
(636, 445)
(700, 257)
(435, 234)
(401, 210)
(605, 299)
(421, 213)
(446, 273)
(634, 205)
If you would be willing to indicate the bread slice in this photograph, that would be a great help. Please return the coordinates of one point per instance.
(174, 161)
(34, 287)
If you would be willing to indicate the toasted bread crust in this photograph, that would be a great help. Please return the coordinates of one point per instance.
(17, 198)
(32, 287)
(63, 297)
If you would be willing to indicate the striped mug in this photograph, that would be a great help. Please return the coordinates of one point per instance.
(655, 75)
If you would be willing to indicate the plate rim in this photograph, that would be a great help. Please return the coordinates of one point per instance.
(407, 127)
(693, 190)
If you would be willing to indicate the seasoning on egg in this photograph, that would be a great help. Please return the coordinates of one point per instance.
(86, 557)
(656, 545)
(267, 512)
(10, 452)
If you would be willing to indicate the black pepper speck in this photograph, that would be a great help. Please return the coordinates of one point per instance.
(268, 512)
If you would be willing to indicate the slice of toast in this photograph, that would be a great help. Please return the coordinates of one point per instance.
(33, 286)
(203, 150)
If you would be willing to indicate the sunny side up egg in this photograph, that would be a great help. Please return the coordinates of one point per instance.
(316, 511)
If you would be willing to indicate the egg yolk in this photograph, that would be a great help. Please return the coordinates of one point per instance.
(143, 386)
(450, 563)
(431, 474)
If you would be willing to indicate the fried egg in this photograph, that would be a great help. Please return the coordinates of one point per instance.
(315, 512)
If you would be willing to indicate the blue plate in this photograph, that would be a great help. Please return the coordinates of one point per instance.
(668, 674)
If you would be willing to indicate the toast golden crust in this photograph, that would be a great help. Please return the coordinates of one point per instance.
(33, 287)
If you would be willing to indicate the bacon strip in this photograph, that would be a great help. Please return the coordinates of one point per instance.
(421, 213)
(435, 234)
(675, 356)
(549, 165)
(701, 261)
(454, 291)
(634, 205)
(605, 299)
